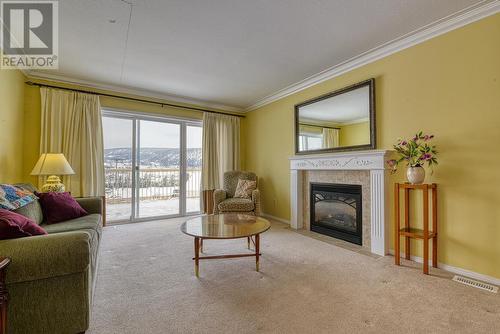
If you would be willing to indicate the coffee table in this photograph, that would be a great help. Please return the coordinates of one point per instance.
(225, 226)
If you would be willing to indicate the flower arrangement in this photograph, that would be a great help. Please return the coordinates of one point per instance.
(415, 152)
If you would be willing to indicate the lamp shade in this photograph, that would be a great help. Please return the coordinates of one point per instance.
(52, 164)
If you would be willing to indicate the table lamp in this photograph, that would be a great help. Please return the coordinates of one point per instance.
(52, 165)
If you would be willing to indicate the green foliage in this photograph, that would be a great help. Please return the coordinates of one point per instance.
(415, 152)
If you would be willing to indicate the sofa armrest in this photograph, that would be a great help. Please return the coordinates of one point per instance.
(45, 256)
(219, 196)
(256, 201)
(91, 204)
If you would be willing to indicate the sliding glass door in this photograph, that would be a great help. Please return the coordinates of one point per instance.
(153, 166)
(193, 168)
(159, 169)
(118, 167)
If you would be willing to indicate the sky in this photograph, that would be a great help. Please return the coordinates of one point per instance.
(118, 134)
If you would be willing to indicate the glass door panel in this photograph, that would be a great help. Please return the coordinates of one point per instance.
(158, 169)
(193, 168)
(118, 163)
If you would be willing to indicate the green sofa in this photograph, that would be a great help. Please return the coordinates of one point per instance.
(51, 277)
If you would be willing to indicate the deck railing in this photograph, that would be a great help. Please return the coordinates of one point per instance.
(153, 184)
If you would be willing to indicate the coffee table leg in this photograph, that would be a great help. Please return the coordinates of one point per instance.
(201, 245)
(257, 249)
(248, 242)
(196, 256)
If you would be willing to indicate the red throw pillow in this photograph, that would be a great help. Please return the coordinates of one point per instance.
(59, 207)
(13, 225)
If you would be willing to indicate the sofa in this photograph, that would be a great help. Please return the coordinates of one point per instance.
(224, 200)
(51, 277)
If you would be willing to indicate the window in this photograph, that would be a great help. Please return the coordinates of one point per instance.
(310, 142)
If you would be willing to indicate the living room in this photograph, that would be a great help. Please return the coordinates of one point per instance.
(156, 132)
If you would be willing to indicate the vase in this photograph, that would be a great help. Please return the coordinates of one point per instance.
(415, 175)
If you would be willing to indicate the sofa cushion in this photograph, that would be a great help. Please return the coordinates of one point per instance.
(32, 211)
(14, 225)
(92, 222)
(59, 207)
(236, 205)
(45, 256)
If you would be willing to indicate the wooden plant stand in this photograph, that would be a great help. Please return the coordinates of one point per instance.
(414, 233)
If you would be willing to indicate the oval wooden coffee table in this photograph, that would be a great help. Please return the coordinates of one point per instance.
(225, 226)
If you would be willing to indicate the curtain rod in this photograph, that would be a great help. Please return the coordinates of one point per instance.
(31, 83)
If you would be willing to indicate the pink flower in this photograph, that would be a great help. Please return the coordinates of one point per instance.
(426, 156)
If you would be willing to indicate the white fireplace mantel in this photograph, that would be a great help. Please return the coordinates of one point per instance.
(372, 160)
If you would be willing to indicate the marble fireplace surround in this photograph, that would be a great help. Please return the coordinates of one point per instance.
(372, 161)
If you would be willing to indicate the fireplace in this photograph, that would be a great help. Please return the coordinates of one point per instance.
(336, 211)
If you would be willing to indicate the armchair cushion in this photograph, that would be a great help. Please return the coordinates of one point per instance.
(245, 188)
(236, 205)
(231, 180)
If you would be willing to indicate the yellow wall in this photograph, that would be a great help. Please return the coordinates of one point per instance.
(448, 86)
(11, 125)
(355, 134)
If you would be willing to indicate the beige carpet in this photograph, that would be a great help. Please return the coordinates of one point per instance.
(146, 285)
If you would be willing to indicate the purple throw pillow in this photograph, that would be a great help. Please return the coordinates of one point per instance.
(13, 225)
(59, 207)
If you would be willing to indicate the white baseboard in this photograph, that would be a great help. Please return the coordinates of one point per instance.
(281, 220)
(418, 259)
(455, 270)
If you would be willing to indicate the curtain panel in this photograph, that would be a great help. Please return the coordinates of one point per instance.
(331, 138)
(221, 152)
(72, 124)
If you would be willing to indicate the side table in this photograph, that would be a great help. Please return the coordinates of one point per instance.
(414, 233)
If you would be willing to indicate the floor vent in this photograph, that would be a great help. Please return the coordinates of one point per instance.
(476, 284)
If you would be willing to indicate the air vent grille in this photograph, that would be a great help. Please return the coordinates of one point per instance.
(476, 284)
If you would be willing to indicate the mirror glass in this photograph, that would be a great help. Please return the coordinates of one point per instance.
(341, 120)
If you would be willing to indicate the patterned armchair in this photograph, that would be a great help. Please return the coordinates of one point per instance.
(224, 200)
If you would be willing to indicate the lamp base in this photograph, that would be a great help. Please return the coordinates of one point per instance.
(53, 185)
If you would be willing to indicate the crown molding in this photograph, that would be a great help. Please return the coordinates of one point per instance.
(357, 121)
(454, 21)
(127, 90)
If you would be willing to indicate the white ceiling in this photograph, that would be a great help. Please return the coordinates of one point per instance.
(231, 52)
(344, 108)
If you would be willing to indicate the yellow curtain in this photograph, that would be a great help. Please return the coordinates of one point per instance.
(72, 125)
(221, 152)
(330, 138)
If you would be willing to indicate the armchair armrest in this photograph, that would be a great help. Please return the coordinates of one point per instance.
(44, 256)
(256, 201)
(219, 196)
